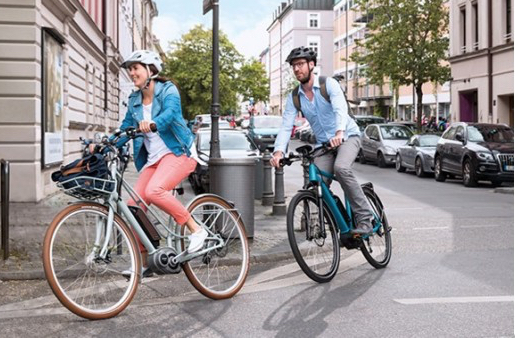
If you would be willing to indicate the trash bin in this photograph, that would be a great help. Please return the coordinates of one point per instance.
(233, 179)
(258, 181)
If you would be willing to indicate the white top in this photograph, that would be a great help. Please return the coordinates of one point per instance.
(155, 145)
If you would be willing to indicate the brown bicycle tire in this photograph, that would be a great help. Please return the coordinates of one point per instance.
(47, 265)
(187, 267)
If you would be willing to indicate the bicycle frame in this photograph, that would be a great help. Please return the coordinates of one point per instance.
(315, 176)
(115, 202)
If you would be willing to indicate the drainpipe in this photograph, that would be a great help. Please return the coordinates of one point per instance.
(490, 78)
(104, 29)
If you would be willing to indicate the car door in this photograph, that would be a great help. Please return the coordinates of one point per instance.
(456, 149)
(410, 151)
(444, 147)
(369, 142)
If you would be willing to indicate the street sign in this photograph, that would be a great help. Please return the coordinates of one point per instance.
(207, 6)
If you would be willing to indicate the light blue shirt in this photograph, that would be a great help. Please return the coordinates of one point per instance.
(325, 118)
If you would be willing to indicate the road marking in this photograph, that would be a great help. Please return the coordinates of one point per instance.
(447, 300)
(480, 226)
(432, 228)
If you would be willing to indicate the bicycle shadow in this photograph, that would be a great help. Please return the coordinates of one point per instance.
(302, 316)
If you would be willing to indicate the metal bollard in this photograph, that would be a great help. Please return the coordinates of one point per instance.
(268, 194)
(279, 207)
(5, 183)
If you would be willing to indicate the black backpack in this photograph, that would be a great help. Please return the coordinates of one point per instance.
(323, 91)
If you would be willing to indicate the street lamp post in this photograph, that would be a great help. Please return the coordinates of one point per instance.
(214, 151)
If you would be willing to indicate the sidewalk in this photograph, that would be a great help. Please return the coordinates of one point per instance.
(28, 223)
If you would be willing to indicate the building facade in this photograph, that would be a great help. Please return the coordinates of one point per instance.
(59, 79)
(481, 58)
(297, 23)
(365, 98)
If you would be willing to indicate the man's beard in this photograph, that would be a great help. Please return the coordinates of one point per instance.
(307, 78)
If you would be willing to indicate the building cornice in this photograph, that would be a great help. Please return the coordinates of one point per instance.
(482, 52)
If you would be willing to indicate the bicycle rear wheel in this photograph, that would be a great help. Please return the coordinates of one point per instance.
(87, 285)
(377, 248)
(317, 256)
(220, 273)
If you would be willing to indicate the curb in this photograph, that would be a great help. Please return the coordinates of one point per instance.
(39, 274)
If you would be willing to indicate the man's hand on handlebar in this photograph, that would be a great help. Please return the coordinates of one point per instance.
(337, 140)
(276, 157)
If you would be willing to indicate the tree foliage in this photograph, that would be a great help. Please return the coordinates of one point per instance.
(189, 64)
(406, 43)
(252, 81)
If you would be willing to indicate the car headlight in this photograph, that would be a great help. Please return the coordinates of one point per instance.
(389, 150)
(485, 156)
(259, 136)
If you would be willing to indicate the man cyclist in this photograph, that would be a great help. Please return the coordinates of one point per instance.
(331, 123)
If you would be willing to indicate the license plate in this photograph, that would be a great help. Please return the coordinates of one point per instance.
(508, 168)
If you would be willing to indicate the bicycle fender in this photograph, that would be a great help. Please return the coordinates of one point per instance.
(231, 203)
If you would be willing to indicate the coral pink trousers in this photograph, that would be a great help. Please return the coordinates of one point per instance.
(155, 183)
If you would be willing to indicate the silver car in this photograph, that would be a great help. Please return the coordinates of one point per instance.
(379, 143)
(418, 154)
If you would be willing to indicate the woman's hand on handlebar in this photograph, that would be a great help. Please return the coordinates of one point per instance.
(147, 126)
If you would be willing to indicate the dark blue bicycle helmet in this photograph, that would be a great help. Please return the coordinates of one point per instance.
(302, 53)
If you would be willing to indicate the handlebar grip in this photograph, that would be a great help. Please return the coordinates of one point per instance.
(153, 127)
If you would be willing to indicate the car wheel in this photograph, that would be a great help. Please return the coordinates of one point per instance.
(398, 164)
(440, 176)
(419, 169)
(361, 156)
(469, 174)
(381, 161)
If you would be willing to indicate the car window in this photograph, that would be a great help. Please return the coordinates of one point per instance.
(395, 132)
(267, 122)
(413, 140)
(429, 140)
(449, 134)
(368, 131)
(489, 134)
(228, 141)
(373, 132)
(460, 129)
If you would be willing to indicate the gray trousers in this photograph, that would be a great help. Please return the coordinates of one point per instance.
(340, 164)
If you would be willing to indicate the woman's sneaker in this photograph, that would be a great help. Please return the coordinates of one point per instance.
(145, 272)
(197, 240)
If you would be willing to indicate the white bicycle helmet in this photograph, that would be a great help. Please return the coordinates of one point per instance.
(145, 57)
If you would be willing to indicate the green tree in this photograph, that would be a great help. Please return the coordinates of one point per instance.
(252, 81)
(189, 65)
(406, 43)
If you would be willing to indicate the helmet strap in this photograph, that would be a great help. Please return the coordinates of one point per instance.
(149, 78)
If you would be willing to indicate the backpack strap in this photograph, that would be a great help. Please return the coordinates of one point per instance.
(296, 99)
(323, 88)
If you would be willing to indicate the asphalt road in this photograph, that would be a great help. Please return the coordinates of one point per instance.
(451, 275)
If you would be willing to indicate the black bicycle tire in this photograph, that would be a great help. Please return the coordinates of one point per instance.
(293, 244)
(386, 231)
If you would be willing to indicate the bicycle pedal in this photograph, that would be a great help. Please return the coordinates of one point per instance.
(180, 191)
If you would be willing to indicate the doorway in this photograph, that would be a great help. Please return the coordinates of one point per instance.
(468, 106)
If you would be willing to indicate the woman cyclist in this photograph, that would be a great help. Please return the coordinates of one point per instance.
(162, 158)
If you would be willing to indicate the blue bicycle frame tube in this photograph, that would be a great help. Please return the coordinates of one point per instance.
(315, 175)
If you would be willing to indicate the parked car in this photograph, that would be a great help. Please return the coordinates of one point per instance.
(411, 125)
(475, 151)
(418, 154)
(299, 130)
(263, 130)
(233, 144)
(364, 120)
(299, 122)
(380, 142)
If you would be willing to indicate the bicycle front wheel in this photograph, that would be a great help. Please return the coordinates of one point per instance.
(219, 273)
(87, 284)
(317, 254)
(377, 248)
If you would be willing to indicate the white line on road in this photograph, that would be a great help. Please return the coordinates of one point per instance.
(480, 226)
(447, 300)
(432, 228)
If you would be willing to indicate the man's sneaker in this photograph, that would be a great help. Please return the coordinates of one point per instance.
(145, 272)
(363, 229)
(197, 240)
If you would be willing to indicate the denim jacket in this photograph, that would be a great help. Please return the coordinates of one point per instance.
(167, 114)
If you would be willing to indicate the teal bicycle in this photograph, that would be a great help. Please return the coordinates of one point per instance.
(318, 223)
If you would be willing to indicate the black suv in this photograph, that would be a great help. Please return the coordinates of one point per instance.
(475, 151)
